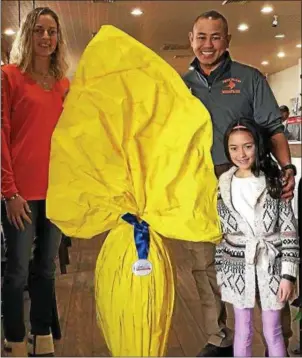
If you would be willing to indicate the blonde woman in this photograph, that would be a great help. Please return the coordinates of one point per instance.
(33, 88)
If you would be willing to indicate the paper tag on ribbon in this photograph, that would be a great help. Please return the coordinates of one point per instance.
(142, 267)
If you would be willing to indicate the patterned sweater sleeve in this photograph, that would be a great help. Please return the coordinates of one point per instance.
(218, 262)
(220, 246)
(289, 239)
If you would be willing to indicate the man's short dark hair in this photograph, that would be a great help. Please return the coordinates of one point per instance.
(215, 15)
(284, 108)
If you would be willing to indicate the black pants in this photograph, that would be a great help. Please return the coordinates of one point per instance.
(45, 238)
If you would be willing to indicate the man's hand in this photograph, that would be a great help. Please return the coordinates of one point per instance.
(281, 152)
(289, 185)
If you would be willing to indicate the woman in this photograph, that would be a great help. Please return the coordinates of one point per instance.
(33, 88)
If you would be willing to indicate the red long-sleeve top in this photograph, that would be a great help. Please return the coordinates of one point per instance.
(29, 116)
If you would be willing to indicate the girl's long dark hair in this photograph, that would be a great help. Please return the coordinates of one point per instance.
(263, 158)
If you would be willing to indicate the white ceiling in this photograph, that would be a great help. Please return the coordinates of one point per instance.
(168, 22)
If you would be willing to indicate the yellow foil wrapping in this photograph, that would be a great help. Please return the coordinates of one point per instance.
(132, 139)
(140, 308)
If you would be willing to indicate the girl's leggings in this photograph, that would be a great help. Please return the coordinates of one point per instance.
(272, 332)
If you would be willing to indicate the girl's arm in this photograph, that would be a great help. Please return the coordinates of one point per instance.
(289, 239)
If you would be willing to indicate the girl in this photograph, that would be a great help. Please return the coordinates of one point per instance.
(33, 90)
(259, 253)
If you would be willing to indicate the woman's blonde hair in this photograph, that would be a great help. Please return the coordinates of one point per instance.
(22, 49)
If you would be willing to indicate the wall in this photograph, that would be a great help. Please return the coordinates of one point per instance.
(286, 84)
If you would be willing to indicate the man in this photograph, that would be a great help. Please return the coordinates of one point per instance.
(230, 90)
(285, 114)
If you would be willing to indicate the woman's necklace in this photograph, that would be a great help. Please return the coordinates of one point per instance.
(44, 79)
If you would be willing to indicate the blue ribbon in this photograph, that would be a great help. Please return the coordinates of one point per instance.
(141, 235)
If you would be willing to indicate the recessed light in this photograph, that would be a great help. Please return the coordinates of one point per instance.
(298, 46)
(280, 36)
(136, 12)
(281, 54)
(266, 9)
(242, 27)
(264, 63)
(9, 32)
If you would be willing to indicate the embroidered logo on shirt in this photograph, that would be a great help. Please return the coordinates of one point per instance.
(230, 86)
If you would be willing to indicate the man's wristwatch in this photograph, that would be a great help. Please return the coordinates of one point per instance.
(290, 166)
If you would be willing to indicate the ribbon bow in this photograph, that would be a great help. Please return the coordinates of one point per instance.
(262, 253)
(141, 235)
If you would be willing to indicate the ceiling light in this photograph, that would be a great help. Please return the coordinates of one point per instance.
(266, 9)
(281, 54)
(9, 32)
(298, 46)
(280, 36)
(242, 27)
(264, 63)
(136, 12)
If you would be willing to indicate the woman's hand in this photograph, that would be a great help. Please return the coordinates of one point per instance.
(286, 290)
(17, 210)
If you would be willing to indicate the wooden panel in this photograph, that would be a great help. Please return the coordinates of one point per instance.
(77, 336)
(64, 286)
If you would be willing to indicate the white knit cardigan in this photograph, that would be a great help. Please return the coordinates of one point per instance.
(252, 259)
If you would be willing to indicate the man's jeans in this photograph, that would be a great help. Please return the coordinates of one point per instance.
(46, 239)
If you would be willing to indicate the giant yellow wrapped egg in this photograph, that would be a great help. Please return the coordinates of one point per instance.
(132, 154)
